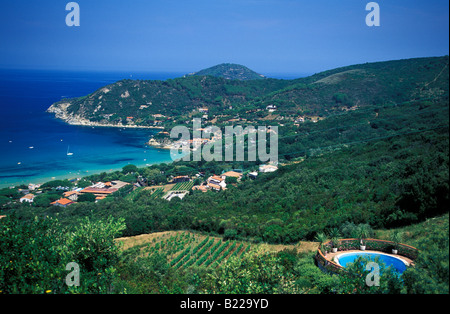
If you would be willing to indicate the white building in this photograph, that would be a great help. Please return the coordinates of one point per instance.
(267, 168)
(29, 198)
(216, 183)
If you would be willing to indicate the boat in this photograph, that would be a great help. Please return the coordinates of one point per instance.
(69, 154)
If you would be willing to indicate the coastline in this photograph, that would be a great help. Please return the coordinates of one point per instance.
(60, 113)
(76, 174)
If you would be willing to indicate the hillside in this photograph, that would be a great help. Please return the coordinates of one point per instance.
(185, 249)
(171, 102)
(177, 257)
(383, 164)
(230, 71)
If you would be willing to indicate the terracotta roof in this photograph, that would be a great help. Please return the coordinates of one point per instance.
(232, 174)
(202, 188)
(62, 201)
(28, 196)
(69, 193)
(217, 178)
(214, 186)
(98, 190)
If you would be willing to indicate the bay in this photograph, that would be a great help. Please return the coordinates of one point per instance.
(34, 145)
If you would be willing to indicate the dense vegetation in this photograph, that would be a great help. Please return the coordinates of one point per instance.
(384, 164)
(230, 71)
(319, 95)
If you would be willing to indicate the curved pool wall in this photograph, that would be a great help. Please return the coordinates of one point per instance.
(346, 258)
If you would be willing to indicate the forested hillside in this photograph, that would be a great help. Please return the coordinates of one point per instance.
(230, 71)
(379, 158)
(319, 95)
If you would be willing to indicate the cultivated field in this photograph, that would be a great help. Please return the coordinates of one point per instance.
(185, 249)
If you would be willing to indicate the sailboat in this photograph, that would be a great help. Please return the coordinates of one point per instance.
(69, 154)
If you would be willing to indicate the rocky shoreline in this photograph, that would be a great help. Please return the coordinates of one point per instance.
(60, 111)
(166, 144)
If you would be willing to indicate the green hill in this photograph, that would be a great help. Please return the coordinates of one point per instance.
(230, 71)
(380, 157)
(320, 95)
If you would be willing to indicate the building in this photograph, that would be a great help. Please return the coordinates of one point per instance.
(172, 194)
(33, 187)
(253, 175)
(179, 179)
(267, 168)
(71, 195)
(216, 182)
(103, 189)
(203, 188)
(98, 191)
(63, 202)
(29, 198)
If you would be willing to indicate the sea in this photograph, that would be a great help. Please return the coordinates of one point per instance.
(34, 145)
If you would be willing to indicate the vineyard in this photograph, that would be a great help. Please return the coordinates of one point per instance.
(183, 186)
(187, 249)
(160, 191)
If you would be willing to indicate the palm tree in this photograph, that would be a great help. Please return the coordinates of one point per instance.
(335, 235)
(363, 232)
(321, 237)
(396, 237)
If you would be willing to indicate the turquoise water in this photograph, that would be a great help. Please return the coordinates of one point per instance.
(34, 145)
(398, 264)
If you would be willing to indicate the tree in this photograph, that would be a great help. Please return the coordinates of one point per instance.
(362, 232)
(321, 238)
(91, 244)
(431, 272)
(253, 273)
(230, 180)
(129, 169)
(83, 183)
(32, 258)
(230, 234)
(34, 255)
(86, 197)
(44, 200)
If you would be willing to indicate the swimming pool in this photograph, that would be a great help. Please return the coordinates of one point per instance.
(388, 260)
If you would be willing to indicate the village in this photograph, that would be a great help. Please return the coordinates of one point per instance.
(176, 187)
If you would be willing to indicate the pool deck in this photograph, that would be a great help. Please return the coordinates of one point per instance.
(330, 256)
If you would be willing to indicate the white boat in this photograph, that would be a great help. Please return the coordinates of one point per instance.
(69, 154)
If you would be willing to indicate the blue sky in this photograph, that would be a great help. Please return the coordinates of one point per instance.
(268, 36)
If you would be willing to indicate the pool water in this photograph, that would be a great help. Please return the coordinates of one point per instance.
(388, 260)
